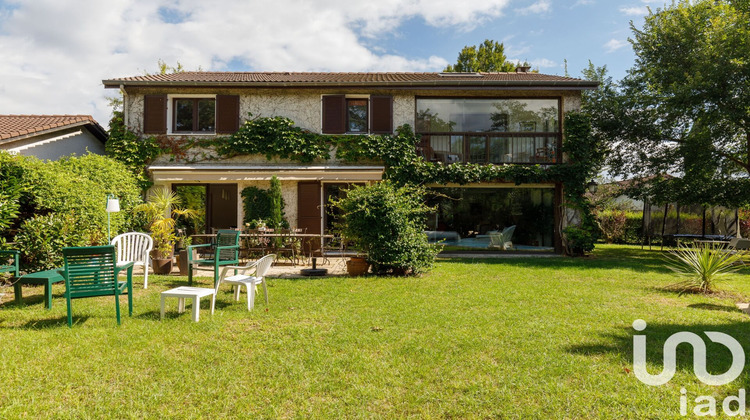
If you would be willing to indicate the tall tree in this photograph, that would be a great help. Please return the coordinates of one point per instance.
(489, 56)
(684, 106)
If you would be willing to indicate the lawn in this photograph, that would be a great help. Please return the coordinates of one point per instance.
(515, 338)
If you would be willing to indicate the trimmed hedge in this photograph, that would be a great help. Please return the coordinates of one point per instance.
(62, 203)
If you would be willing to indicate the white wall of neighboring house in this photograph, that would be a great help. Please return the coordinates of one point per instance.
(52, 146)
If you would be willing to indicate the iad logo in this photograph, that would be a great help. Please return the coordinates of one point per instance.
(699, 357)
(705, 405)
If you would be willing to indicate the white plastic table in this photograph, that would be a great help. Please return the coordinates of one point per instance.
(187, 292)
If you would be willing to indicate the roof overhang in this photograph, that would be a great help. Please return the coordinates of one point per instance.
(94, 128)
(411, 85)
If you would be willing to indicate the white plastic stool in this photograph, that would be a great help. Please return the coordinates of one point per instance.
(186, 292)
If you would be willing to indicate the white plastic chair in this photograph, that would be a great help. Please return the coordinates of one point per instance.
(260, 267)
(134, 247)
(503, 240)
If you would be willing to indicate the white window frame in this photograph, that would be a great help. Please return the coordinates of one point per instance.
(170, 112)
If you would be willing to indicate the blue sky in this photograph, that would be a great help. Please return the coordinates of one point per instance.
(55, 53)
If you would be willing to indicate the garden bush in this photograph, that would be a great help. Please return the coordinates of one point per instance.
(58, 197)
(42, 238)
(633, 228)
(264, 206)
(387, 223)
(611, 224)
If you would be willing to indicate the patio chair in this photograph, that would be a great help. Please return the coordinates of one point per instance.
(7, 266)
(226, 252)
(260, 268)
(502, 240)
(134, 247)
(291, 244)
(93, 271)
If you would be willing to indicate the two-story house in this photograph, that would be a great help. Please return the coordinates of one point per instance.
(488, 118)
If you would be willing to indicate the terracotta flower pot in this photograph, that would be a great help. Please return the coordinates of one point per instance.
(182, 262)
(357, 266)
(160, 264)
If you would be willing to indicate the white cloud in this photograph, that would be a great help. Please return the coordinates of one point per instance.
(540, 63)
(634, 10)
(55, 56)
(614, 44)
(583, 3)
(541, 6)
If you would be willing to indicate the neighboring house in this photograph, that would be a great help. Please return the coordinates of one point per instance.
(51, 136)
(490, 118)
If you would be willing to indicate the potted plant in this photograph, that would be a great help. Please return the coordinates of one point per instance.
(161, 208)
(357, 266)
(182, 259)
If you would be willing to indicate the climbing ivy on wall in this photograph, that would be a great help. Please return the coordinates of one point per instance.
(278, 137)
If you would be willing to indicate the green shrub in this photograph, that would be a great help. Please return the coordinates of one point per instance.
(11, 175)
(265, 206)
(71, 194)
(80, 185)
(633, 228)
(611, 224)
(42, 238)
(125, 146)
(578, 240)
(387, 223)
(703, 267)
(256, 204)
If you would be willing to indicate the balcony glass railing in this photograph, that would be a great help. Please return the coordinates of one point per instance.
(490, 148)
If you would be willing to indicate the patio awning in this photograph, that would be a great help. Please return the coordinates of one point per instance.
(235, 173)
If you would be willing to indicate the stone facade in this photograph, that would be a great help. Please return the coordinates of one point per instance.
(303, 106)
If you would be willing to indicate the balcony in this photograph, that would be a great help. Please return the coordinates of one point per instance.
(522, 148)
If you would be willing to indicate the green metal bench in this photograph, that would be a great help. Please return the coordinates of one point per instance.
(93, 271)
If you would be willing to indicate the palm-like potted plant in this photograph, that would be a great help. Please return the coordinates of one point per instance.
(161, 208)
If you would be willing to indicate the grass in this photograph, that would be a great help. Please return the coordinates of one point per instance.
(511, 338)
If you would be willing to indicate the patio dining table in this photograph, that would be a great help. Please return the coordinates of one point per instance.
(296, 236)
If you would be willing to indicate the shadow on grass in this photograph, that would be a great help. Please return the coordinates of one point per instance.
(624, 258)
(719, 358)
(714, 307)
(57, 322)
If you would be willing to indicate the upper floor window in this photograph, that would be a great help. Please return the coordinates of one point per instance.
(356, 115)
(494, 131)
(436, 115)
(342, 114)
(188, 114)
(196, 115)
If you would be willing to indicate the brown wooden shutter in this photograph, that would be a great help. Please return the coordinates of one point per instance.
(381, 114)
(334, 114)
(308, 212)
(155, 114)
(227, 114)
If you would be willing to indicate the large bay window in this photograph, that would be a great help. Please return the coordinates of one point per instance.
(489, 130)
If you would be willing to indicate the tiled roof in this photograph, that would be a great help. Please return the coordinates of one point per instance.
(348, 79)
(12, 126)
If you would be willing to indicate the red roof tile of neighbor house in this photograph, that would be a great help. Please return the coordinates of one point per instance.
(292, 79)
(12, 126)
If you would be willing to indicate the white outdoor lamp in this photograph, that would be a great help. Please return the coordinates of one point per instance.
(592, 186)
(113, 206)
